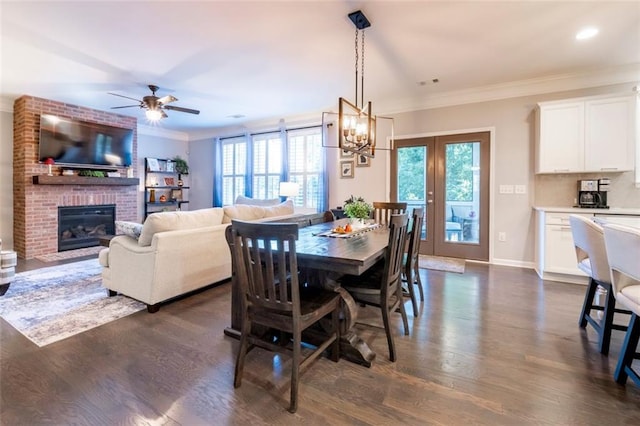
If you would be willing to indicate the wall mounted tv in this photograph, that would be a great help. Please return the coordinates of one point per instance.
(84, 144)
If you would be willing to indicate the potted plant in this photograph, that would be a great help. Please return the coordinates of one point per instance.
(358, 209)
(181, 165)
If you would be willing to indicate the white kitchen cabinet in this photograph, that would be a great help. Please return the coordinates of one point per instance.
(555, 253)
(586, 135)
(610, 134)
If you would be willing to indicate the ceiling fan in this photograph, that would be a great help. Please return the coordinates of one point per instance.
(154, 105)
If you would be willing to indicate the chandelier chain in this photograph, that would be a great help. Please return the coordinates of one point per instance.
(362, 74)
(356, 64)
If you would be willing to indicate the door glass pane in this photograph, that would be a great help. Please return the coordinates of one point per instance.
(412, 189)
(462, 192)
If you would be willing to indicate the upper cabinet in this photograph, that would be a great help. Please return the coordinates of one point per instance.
(586, 135)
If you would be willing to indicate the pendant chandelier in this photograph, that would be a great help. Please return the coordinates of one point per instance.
(356, 122)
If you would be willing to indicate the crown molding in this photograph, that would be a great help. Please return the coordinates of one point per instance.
(556, 83)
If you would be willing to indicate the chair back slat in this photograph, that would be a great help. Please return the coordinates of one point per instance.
(267, 265)
(395, 251)
(382, 211)
(416, 234)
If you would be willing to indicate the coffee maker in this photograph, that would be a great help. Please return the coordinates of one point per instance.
(592, 193)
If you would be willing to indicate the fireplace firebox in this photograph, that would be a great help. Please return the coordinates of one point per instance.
(82, 226)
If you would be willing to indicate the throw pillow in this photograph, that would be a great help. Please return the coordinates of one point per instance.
(241, 199)
(281, 209)
(130, 229)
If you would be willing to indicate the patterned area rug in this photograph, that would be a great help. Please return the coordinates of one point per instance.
(70, 254)
(51, 304)
(447, 264)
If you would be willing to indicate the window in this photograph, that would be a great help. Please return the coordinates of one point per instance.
(234, 168)
(267, 165)
(255, 168)
(306, 166)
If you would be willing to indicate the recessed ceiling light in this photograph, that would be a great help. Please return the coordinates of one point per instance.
(236, 116)
(587, 33)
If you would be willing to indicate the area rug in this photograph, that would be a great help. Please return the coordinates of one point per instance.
(70, 254)
(53, 303)
(439, 263)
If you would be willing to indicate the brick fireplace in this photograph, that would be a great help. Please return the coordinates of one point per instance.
(35, 208)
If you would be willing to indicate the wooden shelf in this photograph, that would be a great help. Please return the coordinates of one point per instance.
(83, 180)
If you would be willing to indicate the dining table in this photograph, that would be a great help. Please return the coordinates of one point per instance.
(323, 257)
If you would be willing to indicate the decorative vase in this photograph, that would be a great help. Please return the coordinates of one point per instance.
(152, 195)
(358, 223)
(180, 182)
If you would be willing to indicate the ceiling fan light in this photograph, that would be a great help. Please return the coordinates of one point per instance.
(154, 114)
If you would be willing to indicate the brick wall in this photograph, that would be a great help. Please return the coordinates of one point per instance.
(35, 207)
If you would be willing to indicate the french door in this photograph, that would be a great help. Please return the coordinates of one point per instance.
(448, 176)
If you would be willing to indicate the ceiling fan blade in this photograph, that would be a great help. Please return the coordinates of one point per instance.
(126, 97)
(164, 114)
(127, 106)
(167, 99)
(180, 109)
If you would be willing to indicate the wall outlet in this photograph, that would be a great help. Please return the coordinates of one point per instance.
(502, 236)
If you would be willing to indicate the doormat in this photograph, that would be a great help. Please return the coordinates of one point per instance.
(70, 254)
(439, 263)
(50, 304)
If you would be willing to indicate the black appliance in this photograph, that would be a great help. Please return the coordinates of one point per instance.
(592, 193)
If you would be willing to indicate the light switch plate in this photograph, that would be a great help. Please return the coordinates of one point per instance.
(506, 189)
(521, 189)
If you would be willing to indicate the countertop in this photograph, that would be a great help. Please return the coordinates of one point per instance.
(611, 210)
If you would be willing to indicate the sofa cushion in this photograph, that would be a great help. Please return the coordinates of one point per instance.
(131, 229)
(173, 221)
(241, 199)
(247, 212)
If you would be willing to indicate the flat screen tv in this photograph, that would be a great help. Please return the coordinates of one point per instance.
(84, 144)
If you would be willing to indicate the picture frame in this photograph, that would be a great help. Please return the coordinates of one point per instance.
(346, 169)
(363, 161)
(171, 166)
(153, 164)
(176, 194)
(169, 181)
(346, 154)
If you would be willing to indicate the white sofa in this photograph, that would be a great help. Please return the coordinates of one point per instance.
(177, 252)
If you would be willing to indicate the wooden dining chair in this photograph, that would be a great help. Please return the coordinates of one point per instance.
(410, 267)
(323, 217)
(383, 210)
(380, 285)
(267, 274)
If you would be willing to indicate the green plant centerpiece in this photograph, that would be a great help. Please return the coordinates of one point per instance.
(357, 209)
(181, 165)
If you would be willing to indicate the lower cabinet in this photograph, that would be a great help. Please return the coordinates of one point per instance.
(555, 252)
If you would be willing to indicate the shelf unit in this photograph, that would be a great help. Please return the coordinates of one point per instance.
(162, 189)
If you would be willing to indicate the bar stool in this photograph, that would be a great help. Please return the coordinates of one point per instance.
(588, 238)
(623, 253)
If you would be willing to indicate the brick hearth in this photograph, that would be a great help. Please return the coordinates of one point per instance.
(35, 207)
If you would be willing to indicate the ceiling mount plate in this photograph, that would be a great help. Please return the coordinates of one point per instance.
(359, 20)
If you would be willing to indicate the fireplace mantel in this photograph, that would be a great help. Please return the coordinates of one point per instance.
(84, 180)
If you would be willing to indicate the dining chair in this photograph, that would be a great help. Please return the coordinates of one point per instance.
(623, 252)
(588, 239)
(410, 267)
(267, 274)
(380, 285)
(324, 217)
(383, 210)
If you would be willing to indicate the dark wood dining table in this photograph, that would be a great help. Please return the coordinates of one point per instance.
(324, 259)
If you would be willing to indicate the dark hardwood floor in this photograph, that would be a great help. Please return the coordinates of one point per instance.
(494, 346)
